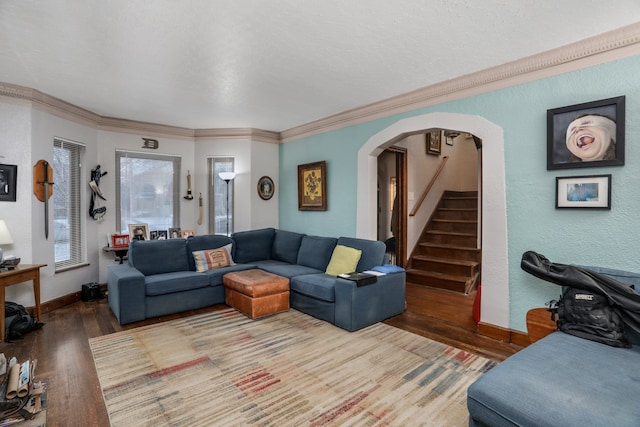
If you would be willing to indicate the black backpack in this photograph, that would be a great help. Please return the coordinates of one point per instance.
(589, 315)
(18, 321)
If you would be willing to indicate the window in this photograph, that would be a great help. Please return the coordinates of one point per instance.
(218, 196)
(68, 235)
(147, 191)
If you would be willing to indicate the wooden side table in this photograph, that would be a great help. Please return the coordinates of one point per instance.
(539, 324)
(22, 273)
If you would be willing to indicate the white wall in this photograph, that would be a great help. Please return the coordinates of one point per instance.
(108, 143)
(252, 160)
(26, 136)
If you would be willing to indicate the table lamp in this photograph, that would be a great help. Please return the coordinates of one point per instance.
(5, 238)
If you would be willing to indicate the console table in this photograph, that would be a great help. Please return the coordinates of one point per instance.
(22, 273)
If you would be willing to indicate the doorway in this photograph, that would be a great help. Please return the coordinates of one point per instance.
(495, 289)
(392, 203)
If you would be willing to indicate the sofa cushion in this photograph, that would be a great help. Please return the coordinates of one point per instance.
(560, 380)
(213, 258)
(315, 251)
(215, 275)
(343, 260)
(178, 281)
(253, 245)
(285, 269)
(319, 286)
(206, 241)
(286, 245)
(158, 256)
(372, 251)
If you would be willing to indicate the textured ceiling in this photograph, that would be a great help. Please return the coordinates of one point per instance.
(273, 64)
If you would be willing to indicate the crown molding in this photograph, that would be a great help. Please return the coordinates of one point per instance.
(616, 44)
(238, 133)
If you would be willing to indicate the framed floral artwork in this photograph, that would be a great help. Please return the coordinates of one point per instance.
(312, 186)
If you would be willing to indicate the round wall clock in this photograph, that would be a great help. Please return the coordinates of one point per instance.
(266, 187)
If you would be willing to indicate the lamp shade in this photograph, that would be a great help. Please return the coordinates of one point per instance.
(5, 236)
(227, 176)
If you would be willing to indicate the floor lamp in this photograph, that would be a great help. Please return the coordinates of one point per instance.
(226, 177)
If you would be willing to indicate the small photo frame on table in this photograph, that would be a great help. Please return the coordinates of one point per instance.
(175, 233)
(312, 186)
(266, 187)
(119, 241)
(187, 233)
(158, 234)
(434, 142)
(8, 179)
(586, 135)
(593, 191)
(139, 232)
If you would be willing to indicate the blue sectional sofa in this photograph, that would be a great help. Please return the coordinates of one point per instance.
(562, 380)
(160, 276)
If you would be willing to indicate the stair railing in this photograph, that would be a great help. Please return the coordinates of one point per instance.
(428, 187)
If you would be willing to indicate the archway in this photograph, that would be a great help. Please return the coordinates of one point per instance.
(495, 272)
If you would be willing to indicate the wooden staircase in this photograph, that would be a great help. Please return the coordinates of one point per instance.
(446, 255)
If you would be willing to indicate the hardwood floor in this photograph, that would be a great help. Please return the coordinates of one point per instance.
(445, 316)
(74, 397)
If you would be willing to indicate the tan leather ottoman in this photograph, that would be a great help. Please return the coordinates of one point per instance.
(256, 293)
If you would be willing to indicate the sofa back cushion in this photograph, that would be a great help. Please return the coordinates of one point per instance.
(253, 245)
(286, 245)
(372, 251)
(158, 256)
(315, 251)
(204, 242)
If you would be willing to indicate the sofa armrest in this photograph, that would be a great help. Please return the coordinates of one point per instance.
(126, 287)
(358, 307)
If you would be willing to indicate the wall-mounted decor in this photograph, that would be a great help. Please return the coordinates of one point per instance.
(586, 135)
(434, 142)
(266, 188)
(139, 232)
(592, 191)
(8, 179)
(312, 186)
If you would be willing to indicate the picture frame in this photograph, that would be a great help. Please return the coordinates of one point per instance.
(158, 234)
(8, 182)
(119, 241)
(591, 134)
(175, 233)
(266, 188)
(433, 141)
(592, 191)
(187, 233)
(139, 232)
(312, 186)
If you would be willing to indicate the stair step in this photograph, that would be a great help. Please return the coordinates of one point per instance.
(449, 251)
(459, 202)
(449, 213)
(456, 225)
(437, 280)
(445, 265)
(451, 238)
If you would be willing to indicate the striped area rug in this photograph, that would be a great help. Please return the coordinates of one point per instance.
(289, 369)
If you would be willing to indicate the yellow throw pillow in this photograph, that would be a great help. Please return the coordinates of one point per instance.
(343, 260)
(213, 258)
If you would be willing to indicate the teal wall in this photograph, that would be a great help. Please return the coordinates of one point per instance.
(586, 237)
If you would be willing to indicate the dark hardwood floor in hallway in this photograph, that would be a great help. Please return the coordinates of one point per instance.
(74, 397)
(446, 316)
